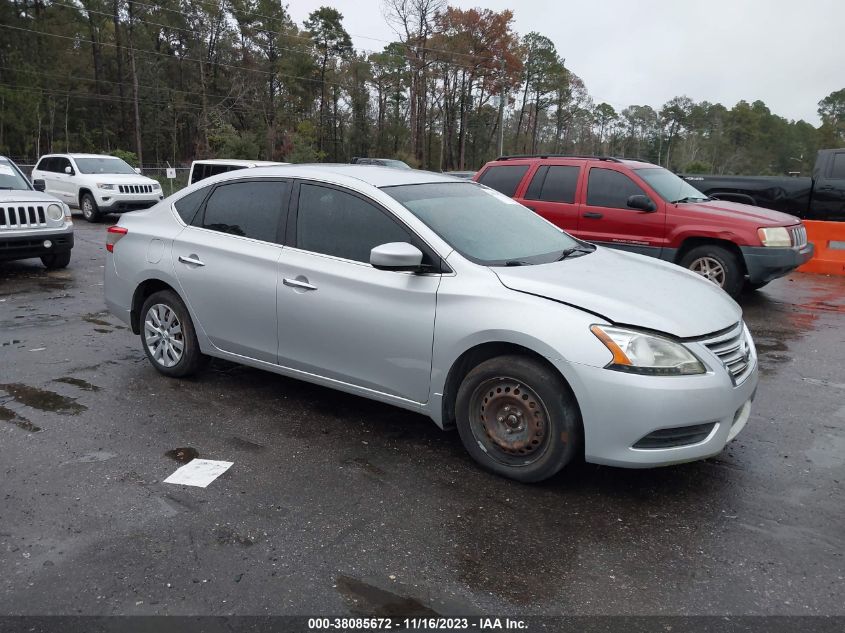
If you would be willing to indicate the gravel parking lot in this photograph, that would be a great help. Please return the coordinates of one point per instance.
(338, 505)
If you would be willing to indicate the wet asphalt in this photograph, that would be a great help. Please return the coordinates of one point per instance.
(339, 505)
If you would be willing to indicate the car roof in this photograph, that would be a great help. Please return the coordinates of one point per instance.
(374, 175)
(632, 163)
(236, 161)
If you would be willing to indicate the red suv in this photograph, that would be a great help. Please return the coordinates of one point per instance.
(642, 208)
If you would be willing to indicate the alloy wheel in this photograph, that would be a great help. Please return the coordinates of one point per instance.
(711, 269)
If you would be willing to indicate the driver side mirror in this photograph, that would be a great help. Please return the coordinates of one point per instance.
(137, 170)
(641, 202)
(69, 170)
(39, 184)
(396, 256)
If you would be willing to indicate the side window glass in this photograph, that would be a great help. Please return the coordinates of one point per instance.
(61, 164)
(610, 189)
(837, 169)
(250, 209)
(560, 184)
(334, 222)
(533, 192)
(188, 206)
(504, 178)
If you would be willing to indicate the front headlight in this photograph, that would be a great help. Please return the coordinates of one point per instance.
(640, 353)
(55, 212)
(103, 185)
(156, 185)
(774, 236)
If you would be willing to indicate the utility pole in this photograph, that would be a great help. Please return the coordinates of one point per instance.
(502, 111)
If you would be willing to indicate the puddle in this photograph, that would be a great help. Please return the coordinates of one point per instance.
(95, 318)
(7, 415)
(182, 455)
(43, 399)
(14, 341)
(368, 600)
(77, 382)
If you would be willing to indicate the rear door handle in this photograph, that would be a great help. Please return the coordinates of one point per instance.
(296, 283)
(594, 215)
(191, 259)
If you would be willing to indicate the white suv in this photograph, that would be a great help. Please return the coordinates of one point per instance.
(96, 183)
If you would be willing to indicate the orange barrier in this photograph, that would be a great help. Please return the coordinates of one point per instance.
(829, 240)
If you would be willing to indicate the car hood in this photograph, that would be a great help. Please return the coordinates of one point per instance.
(628, 289)
(25, 195)
(735, 210)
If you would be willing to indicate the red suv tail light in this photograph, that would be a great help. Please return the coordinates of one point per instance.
(113, 235)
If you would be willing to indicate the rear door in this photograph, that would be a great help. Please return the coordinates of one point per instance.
(607, 219)
(551, 192)
(226, 263)
(828, 202)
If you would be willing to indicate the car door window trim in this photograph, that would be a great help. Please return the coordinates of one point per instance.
(415, 238)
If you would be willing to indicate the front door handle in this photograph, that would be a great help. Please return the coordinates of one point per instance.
(191, 259)
(594, 215)
(297, 283)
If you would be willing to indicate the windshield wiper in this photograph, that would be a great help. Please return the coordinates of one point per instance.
(570, 252)
(690, 199)
(517, 262)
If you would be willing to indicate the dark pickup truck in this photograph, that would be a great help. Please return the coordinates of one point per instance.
(821, 197)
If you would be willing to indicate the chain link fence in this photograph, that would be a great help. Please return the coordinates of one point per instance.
(156, 172)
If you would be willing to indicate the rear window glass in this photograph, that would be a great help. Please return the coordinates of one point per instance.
(504, 178)
(249, 209)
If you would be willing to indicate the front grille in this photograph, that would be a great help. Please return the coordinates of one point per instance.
(677, 436)
(733, 349)
(136, 188)
(22, 217)
(798, 234)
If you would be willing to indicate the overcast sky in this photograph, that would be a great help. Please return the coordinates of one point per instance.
(788, 53)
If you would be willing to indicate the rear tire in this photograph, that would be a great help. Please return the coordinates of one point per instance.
(518, 418)
(718, 265)
(168, 335)
(56, 260)
(89, 208)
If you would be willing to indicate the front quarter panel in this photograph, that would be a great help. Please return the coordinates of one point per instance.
(474, 308)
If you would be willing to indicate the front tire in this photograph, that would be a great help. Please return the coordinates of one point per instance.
(718, 265)
(518, 418)
(168, 336)
(55, 261)
(89, 208)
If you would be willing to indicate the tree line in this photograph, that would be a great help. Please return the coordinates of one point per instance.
(183, 79)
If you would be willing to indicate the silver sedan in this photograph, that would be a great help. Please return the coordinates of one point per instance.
(443, 297)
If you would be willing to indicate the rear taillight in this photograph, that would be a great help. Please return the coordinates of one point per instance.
(113, 236)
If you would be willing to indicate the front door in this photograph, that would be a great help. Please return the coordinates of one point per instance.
(226, 264)
(339, 317)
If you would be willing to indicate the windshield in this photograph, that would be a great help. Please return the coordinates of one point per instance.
(10, 177)
(484, 225)
(103, 166)
(669, 186)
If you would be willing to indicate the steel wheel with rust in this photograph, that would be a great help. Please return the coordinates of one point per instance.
(518, 418)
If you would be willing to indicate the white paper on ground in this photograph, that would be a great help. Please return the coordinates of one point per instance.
(198, 472)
